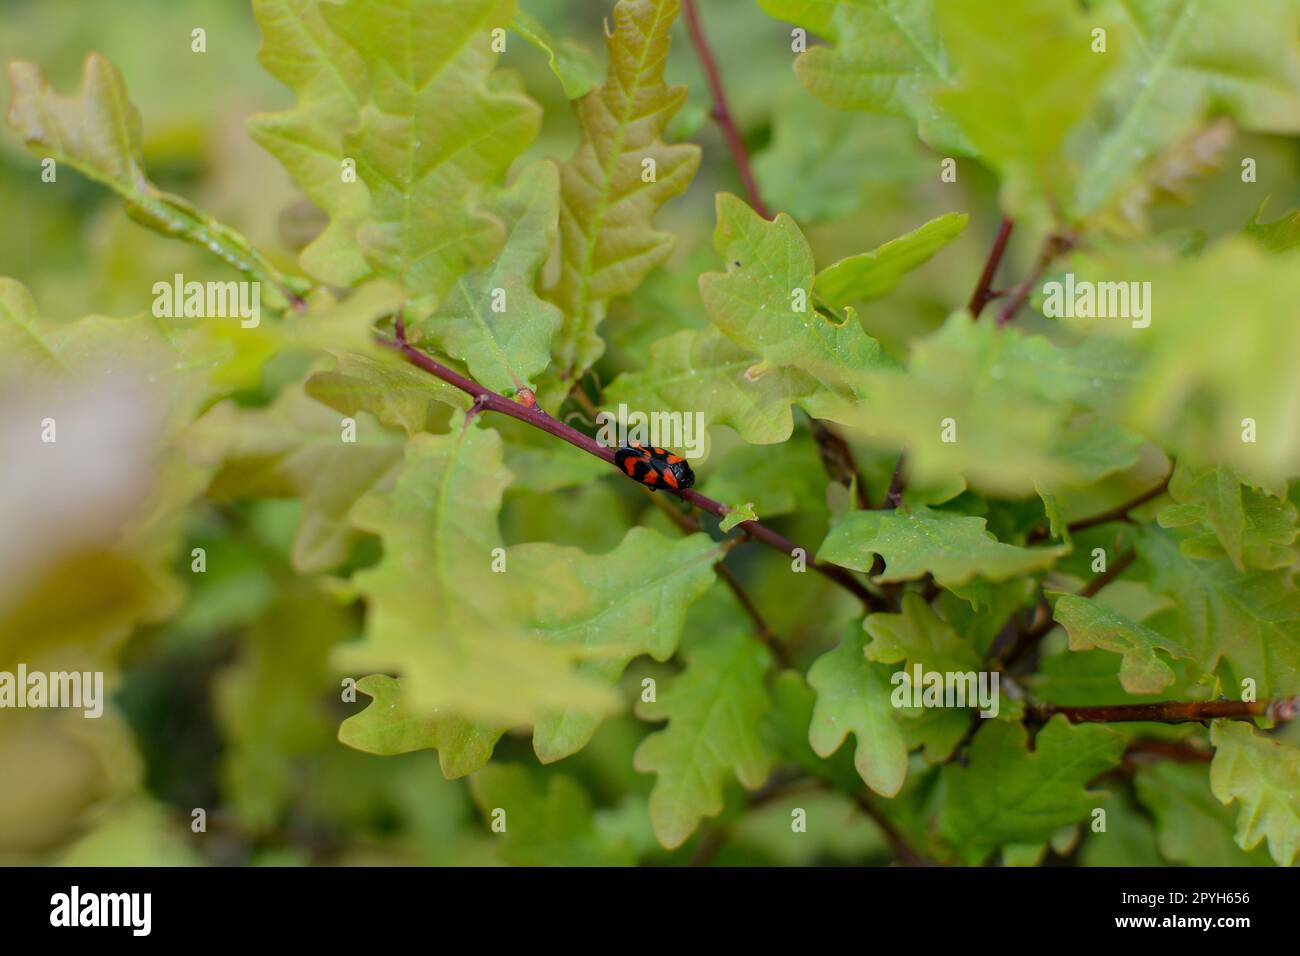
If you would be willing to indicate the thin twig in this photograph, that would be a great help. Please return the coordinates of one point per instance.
(904, 851)
(721, 112)
(984, 293)
(1170, 711)
(837, 459)
(1055, 245)
(1118, 513)
(488, 400)
(1043, 621)
(894, 496)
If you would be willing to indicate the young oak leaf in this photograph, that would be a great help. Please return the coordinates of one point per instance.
(295, 448)
(715, 711)
(491, 318)
(1249, 620)
(610, 607)
(388, 387)
(331, 83)
(1251, 526)
(1192, 394)
(1091, 624)
(1004, 410)
(573, 64)
(1264, 775)
(1192, 827)
(614, 184)
(425, 120)
(764, 303)
(98, 133)
(389, 726)
(705, 371)
(853, 696)
(438, 614)
(1180, 60)
(873, 275)
(1009, 794)
(918, 635)
(1276, 235)
(736, 515)
(953, 547)
(887, 58)
(547, 823)
(1025, 77)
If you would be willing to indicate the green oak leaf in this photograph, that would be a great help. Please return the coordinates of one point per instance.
(573, 64)
(1249, 620)
(1025, 76)
(953, 547)
(823, 164)
(550, 824)
(1276, 235)
(1004, 409)
(1092, 625)
(1264, 775)
(1250, 526)
(607, 240)
(887, 58)
(426, 122)
(388, 387)
(492, 319)
(853, 697)
(541, 464)
(736, 515)
(1009, 794)
(704, 371)
(778, 479)
(296, 448)
(99, 134)
(1194, 393)
(873, 275)
(611, 607)
(1179, 61)
(388, 726)
(267, 700)
(919, 636)
(764, 303)
(438, 614)
(1192, 827)
(715, 711)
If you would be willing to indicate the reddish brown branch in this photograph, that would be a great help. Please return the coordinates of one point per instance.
(894, 496)
(1043, 622)
(1053, 246)
(837, 459)
(1117, 567)
(721, 112)
(487, 400)
(1171, 711)
(984, 293)
(904, 851)
(1118, 513)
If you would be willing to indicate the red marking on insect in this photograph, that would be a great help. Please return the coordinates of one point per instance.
(654, 467)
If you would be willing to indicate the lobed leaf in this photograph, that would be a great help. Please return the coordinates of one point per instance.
(607, 241)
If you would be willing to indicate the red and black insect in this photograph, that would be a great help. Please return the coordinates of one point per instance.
(654, 467)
